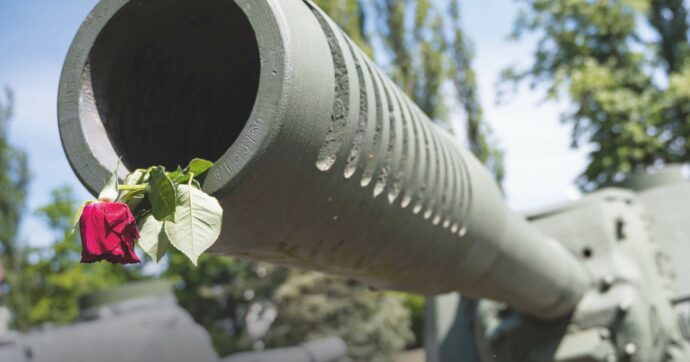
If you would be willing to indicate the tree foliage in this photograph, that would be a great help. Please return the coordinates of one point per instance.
(224, 294)
(628, 89)
(14, 181)
(375, 325)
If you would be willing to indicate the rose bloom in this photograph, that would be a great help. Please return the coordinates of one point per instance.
(108, 231)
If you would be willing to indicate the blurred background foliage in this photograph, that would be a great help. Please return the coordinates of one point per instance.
(621, 64)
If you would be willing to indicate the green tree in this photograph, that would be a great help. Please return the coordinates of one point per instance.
(630, 104)
(14, 181)
(670, 20)
(247, 305)
(219, 294)
(375, 325)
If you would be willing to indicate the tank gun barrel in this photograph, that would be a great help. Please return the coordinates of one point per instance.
(321, 161)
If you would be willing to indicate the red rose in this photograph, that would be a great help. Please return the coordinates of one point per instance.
(108, 231)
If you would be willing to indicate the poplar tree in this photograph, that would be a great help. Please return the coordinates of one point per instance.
(14, 181)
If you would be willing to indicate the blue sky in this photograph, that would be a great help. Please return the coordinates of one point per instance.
(35, 36)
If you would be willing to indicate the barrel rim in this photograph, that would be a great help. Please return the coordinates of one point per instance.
(90, 151)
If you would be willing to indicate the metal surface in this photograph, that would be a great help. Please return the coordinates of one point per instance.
(133, 328)
(329, 167)
(325, 350)
(635, 245)
(93, 304)
(669, 224)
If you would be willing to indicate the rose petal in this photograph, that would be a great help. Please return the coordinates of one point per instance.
(108, 232)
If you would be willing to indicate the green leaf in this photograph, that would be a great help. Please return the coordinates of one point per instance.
(110, 191)
(198, 221)
(162, 195)
(198, 166)
(183, 179)
(77, 217)
(153, 239)
(175, 175)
